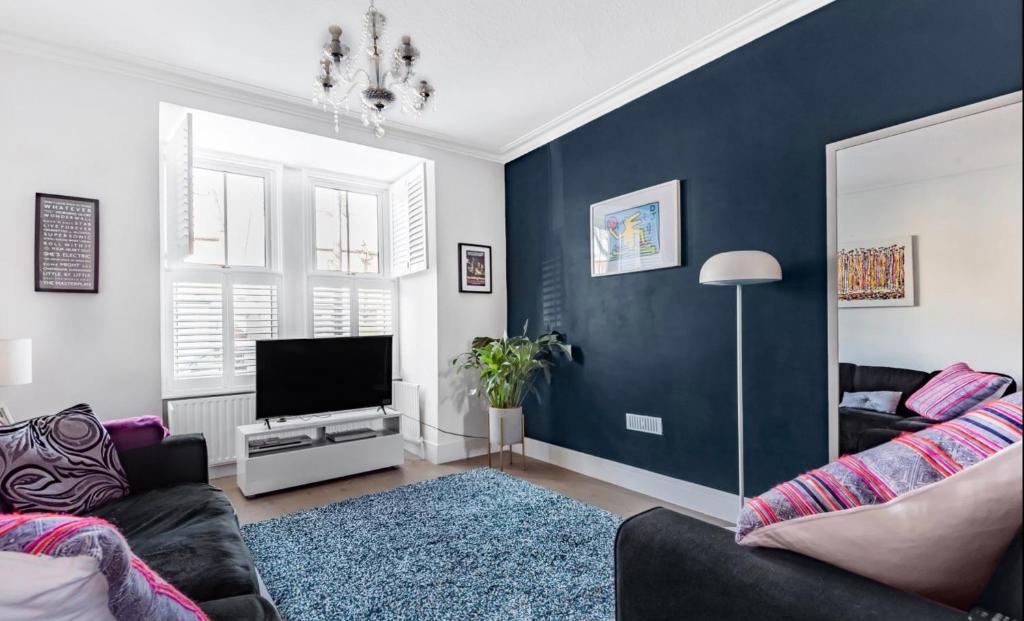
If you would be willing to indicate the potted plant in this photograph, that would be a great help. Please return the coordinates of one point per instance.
(508, 368)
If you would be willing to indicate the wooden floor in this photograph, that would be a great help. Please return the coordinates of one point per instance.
(598, 493)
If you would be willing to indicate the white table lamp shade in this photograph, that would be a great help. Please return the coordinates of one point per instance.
(15, 362)
(740, 267)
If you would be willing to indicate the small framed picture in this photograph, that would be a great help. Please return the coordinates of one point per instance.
(474, 268)
(67, 244)
(636, 232)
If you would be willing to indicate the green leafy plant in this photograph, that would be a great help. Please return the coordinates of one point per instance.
(508, 366)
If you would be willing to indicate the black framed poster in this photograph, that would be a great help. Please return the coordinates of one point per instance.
(67, 244)
(474, 268)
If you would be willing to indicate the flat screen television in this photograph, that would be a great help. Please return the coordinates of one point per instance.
(313, 376)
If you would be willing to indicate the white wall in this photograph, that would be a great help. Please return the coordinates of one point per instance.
(102, 143)
(462, 316)
(967, 230)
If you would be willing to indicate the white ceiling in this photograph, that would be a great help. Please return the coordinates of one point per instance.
(503, 69)
(978, 142)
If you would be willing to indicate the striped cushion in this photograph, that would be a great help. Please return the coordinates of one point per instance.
(884, 472)
(134, 590)
(955, 390)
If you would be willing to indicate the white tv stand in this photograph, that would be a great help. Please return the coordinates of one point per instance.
(321, 459)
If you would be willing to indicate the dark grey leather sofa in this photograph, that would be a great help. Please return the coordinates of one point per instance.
(854, 423)
(186, 530)
(672, 567)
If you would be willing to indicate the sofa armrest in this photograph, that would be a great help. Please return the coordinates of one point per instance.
(670, 566)
(178, 459)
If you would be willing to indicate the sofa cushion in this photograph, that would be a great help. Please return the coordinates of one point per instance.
(955, 390)
(134, 590)
(136, 432)
(885, 401)
(188, 533)
(240, 608)
(47, 588)
(62, 463)
(854, 421)
(947, 498)
(913, 423)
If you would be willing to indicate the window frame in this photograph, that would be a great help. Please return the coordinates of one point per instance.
(176, 270)
(314, 179)
(271, 174)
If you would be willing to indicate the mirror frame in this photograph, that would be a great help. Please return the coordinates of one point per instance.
(831, 234)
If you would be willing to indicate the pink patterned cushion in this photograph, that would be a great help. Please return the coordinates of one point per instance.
(134, 590)
(955, 390)
(136, 432)
(947, 498)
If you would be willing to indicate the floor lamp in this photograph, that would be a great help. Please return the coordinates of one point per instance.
(737, 269)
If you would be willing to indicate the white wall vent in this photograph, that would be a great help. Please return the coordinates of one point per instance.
(646, 424)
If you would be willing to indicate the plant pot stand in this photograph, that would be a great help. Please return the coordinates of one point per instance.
(508, 434)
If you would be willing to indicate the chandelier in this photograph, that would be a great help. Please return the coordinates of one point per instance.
(379, 85)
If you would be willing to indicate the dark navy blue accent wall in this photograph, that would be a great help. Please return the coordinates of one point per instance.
(746, 135)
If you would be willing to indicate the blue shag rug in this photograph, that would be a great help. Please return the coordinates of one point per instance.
(475, 545)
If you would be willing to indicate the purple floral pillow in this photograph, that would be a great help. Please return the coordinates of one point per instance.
(64, 463)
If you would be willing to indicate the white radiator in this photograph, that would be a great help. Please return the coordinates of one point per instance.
(214, 417)
(405, 397)
(217, 417)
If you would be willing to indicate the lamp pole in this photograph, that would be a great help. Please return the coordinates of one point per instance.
(739, 387)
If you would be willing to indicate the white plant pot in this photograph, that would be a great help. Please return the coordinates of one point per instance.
(506, 425)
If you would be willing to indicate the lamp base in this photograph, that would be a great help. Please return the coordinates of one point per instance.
(6, 418)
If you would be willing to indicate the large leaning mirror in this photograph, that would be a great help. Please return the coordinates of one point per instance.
(925, 255)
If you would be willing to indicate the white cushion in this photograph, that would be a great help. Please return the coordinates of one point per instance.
(44, 588)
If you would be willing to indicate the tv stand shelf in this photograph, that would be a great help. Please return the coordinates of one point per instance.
(266, 470)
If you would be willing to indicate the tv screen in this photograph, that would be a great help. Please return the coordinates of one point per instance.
(313, 376)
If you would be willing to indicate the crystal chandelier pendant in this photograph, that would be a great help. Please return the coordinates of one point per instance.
(376, 87)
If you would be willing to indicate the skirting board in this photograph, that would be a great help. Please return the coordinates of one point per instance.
(454, 450)
(416, 447)
(706, 500)
(222, 470)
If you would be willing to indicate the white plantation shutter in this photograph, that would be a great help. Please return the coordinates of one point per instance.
(254, 311)
(332, 311)
(179, 156)
(399, 230)
(375, 312)
(408, 198)
(197, 330)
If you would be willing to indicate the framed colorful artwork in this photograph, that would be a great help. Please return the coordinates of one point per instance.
(636, 232)
(474, 268)
(876, 273)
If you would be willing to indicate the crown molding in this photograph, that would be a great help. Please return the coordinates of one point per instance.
(724, 40)
(730, 37)
(226, 88)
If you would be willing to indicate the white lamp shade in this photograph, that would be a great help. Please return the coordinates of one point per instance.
(15, 362)
(740, 267)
